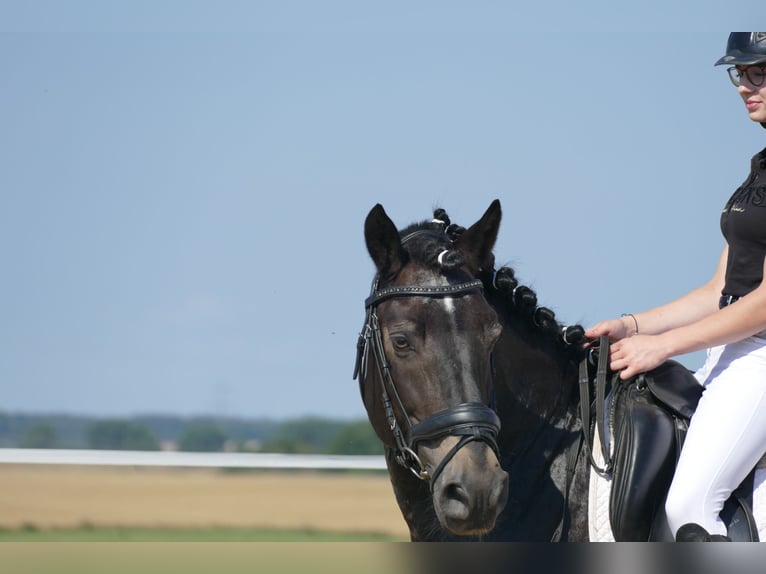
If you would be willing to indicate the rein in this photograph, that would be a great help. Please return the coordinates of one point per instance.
(471, 421)
(600, 399)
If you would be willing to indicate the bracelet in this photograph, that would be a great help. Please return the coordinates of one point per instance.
(634, 320)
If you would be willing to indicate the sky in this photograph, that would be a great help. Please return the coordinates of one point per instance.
(183, 185)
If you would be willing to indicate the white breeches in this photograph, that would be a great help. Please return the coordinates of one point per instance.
(727, 434)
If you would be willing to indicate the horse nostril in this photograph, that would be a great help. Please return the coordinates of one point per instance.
(455, 499)
(456, 492)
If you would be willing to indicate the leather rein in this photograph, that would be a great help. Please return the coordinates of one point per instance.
(472, 421)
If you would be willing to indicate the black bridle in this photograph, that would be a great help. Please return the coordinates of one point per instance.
(471, 421)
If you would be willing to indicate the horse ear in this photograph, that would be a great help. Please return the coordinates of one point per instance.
(383, 242)
(478, 241)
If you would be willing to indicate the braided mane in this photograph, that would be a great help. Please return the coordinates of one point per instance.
(520, 300)
(434, 249)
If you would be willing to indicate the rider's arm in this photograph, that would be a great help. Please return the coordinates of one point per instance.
(744, 318)
(685, 310)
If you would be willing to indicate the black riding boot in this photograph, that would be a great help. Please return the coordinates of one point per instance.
(692, 532)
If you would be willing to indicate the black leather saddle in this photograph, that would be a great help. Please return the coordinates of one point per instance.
(647, 418)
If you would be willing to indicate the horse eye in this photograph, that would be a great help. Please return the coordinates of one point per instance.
(400, 342)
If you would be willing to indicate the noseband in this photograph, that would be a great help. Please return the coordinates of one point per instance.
(471, 421)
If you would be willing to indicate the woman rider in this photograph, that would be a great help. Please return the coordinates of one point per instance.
(726, 316)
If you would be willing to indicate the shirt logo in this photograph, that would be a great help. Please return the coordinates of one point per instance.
(751, 195)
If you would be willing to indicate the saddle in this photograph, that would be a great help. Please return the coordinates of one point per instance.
(641, 425)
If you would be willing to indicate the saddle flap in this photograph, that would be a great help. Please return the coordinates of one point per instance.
(675, 386)
(645, 455)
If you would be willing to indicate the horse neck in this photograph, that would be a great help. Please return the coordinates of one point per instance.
(535, 378)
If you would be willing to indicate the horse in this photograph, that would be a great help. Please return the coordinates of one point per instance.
(454, 341)
(427, 322)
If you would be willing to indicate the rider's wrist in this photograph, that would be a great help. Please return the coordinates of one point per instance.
(630, 322)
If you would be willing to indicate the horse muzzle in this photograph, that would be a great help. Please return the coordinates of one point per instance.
(473, 489)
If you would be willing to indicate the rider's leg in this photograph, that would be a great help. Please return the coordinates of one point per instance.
(726, 438)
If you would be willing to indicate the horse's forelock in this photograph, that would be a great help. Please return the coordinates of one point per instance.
(433, 249)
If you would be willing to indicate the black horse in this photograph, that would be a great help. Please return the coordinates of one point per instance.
(425, 373)
(440, 323)
(434, 356)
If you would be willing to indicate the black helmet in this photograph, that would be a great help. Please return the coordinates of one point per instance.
(744, 49)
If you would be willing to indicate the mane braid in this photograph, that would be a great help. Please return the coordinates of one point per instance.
(524, 300)
(427, 240)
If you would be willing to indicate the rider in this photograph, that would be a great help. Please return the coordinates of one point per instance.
(726, 316)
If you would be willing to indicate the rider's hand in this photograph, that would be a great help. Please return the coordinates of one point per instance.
(615, 329)
(633, 355)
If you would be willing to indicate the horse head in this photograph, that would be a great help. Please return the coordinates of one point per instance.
(424, 363)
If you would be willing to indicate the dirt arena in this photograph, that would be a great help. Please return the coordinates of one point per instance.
(69, 497)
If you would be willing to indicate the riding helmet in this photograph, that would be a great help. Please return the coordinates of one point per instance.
(744, 49)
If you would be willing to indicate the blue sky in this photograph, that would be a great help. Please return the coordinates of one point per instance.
(183, 185)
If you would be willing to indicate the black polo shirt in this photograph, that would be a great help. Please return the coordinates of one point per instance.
(743, 223)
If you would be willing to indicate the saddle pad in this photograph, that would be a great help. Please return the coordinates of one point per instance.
(600, 487)
(600, 530)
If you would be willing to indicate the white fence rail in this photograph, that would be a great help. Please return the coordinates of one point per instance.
(191, 459)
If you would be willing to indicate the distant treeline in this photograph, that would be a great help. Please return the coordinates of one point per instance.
(308, 435)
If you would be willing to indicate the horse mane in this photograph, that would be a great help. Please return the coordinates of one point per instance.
(435, 247)
(520, 299)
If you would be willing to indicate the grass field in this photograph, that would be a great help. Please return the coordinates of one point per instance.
(91, 534)
(62, 503)
(193, 558)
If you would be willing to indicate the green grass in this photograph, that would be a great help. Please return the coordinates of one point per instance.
(92, 534)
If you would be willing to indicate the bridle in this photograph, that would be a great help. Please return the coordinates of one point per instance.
(471, 421)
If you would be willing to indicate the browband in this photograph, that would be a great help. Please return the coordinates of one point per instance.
(427, 291)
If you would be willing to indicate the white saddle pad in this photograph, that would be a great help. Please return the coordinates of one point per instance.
(598, 502)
